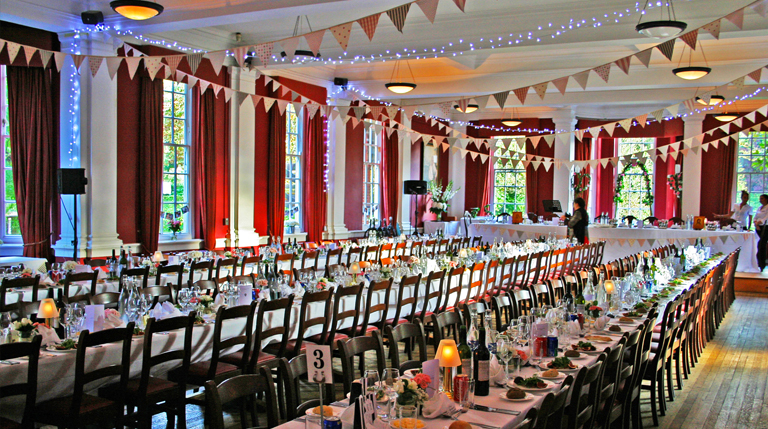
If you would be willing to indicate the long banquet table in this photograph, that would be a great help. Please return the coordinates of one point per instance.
(622, 242)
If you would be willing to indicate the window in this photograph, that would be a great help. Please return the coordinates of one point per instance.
(176, 158)
(509, 179)
(371, 175)
(752, 174)
(11, 220)
(293, 149)
(634, 190)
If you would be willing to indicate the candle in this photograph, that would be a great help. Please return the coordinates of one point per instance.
(354, 268)
(158, 256)
(463, 253)
(609, 287)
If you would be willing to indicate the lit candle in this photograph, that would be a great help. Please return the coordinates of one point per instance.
(158, 256)
(609, 287)
(463, 253)
(48, 311)
(354, 268)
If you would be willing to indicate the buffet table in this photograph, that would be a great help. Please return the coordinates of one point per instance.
(622, 242)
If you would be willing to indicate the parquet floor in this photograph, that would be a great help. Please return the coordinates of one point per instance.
(727, 388)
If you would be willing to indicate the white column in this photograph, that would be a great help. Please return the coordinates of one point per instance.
(457, 171)
(337, 153)
(406, 212)
(89, 140)
(694, 125)
(562, 191)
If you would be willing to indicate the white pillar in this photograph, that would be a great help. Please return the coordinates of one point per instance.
(562, 191)
(406, 212)
(457, 171)
(89, 140)
(337, 153)
(694, 125)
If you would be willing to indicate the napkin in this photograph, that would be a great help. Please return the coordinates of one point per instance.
(496, 371)
(113, 320)
(298, 291)
(217, 302)
(49, 335)
(165, 310)
(437, 406)
(573, 328)
(348, 416)
(601, 323)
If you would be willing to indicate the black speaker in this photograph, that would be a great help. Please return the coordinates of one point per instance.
(72, 181)
(415, 187)
(92, 17)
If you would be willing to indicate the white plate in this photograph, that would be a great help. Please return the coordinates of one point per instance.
(540, 374)
(544, 367)
(51, 348)
(532, 389)
(528, 397)
(589, 352)
(592, 340)
(336, 411)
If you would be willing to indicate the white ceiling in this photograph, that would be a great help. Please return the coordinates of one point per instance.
(459, 71)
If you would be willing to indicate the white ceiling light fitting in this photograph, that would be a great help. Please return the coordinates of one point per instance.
(661, 28)
(513, 121)
(397, 85)
(690, 72)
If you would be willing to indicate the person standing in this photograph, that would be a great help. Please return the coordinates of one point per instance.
(740, 212)
(577, 225)
(762, 230)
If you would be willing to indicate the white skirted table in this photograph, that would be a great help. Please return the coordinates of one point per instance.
(622, 242)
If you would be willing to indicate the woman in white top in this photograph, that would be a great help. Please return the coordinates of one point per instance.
(740, 212)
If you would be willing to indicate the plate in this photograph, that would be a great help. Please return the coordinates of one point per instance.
(53, 349)
(528, 397)
(540, 374)
(590, 352)
(336, 411)
(532, 389)
(592, 339)
(544, 366)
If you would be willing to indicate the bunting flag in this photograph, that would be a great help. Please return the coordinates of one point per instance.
(755, 75)
(239, 54)
(541, 89)
(94, 63)
(609, 128)
(13, 50)
(193, 60)
(391, 111)
(264, 51)
(463, 103)
(78, 60)
(642, 120)
(445, 107)
(521, 93)
(341, 33)
(289, 47)
(314, 40)
(398, 15)
(739, 83)
(673, 109)
(603, 71)
(690, 104)
(561, 84)
(626, 124)
(581, 78)
(45, 57)
(172, 60)
(429, 7)
(644, 57)
(658, 114)
(460, 4)
(153, 65)
(713, 28)
(29, 52)
(667, 48)
(133, 64)
(737, 18)
(690, 38)
(623, 64)
(369, 24)
(761, 8)
(501, 98)
(217, 60)
(268, 103)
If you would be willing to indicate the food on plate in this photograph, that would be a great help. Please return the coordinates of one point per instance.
(515, 393)
(584, 346)
(641, 307)
(615, 328)
(631, 314)
(561, 363)
(326, 410)
(531, 382)
(408, 424)
(461, 424)
(597, 338)
(572, 354)
(551, 373)
(138, 331)
(626, 319)
(66, 345)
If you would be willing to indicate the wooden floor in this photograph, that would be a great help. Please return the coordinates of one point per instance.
(727, 388)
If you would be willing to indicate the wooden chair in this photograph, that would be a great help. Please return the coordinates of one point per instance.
(341, 298)
(330, 269)
(142, 272)
(71, 278)
(522, 272)
(657, 365)
(96, 263)
(616, 409)
(309, 259)
(207, 287)
(411, 335)
(354, 255)
(241, 386)
(291, 372)
(171, 271)
(550, 413)
(82, 409)
(504, 310)
(250, 358)
(31, 351)
(107, 299)
(383, 289)
(157, 294)
(386, 251)
(581, 408)
(333, 257)
(541, 295)
(505, 274)
(612, 368)
(151, 394)
(453, 286)
(249, 263)
(203, 268)
(356, 347)
(434, 295)
(19, 282)
(446, 326)
(530, 420)
(523, 301)
(472, 310)
(490, 283)
(293, 347)
(400, 249)
(402, 316)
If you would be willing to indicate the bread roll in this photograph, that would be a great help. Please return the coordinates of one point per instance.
(460, 424)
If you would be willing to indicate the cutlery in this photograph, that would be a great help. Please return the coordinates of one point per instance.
(9, 362)
(455, 417)
(495, 410)
(340, 404)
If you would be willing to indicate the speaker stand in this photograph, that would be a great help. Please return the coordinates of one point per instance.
(74, 226)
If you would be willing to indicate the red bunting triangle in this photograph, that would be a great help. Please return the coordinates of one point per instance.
(623, 64)
(603, 71)
(713, 28)
(264, 51)
(755, 75)
(369, 24)
(521, 93)
(460, 4)
(173, 61)
(341, 33)
(314, 40)
(690, 38)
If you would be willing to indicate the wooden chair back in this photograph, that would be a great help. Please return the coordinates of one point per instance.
(248, 265)
(383, 289)
(31, 351)
(19, 282)
(170, 271)
(268, 312)
(142, 272)
(412, 336)
(333, 257)
(88, 278)
(322, 319)
(504, 310)
(341, 299)
(434, 294)
(407, 284)
(356, 347)
(447, 326)
(354, 254)
(204, 270)
(524, 302)
(241, 386)
(241, 338)
(169, 353)
(453, 288)
(291, 372)
(309, 259)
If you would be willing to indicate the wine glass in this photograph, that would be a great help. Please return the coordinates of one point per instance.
(185, 296)
(5, 324)
(504, 350)
(78, 316)
(389, 377)
(370, 381)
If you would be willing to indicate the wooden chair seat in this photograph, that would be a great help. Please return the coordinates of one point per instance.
(290, 347)
(199, 371)
(319, 337)
(9, 424)
(92, 409)
(237, 357)
(155, 386)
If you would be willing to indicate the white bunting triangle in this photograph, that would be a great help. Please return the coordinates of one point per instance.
(217, 60)
(133, 64)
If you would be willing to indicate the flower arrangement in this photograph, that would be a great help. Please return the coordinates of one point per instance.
(69, 265)
(322, 284)
(675, 182)
(27, 272)
(414, 391)
(25, 327)
(487, 209)
(195, 254)
(386, 272)
(262, 283)
(594, 310)
(581, 181)
(227, 254)
(474, 211)
(174, 225)
(440, 196)
(203, 303)
(413, 260)
(647, 198)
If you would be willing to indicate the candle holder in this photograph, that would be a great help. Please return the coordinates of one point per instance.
(448, 357)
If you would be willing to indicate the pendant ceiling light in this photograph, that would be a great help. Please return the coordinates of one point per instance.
(470, 108)
(513, 121)
(397, 85)
(302, 55)
(725, 117)
(713, 100)
(137, 10)
(661, 28)
(690, 72)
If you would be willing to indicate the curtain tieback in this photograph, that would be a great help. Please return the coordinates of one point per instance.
(37, 242)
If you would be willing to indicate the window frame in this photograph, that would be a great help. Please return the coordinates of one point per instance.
(298, 160)
(188, 217)
(634, 175)
(371, 208)
(518, 169)
(4, 235)
(754, 194)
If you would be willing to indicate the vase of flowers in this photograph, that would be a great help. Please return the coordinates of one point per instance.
(175, 226)
(413, 392)
(26, 329)
(440, 196)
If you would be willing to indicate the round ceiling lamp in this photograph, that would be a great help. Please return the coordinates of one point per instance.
(725, 117)
(470, 108)
(660, 28)
(511, 122)
(398, 86)
(302, 56)
(713, 100)
(691, 72)
(137, 10)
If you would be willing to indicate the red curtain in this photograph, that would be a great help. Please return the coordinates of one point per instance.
(314, 177)
(276, 174)
(605, 178)
(204, 146)
(475, 189)
(539, 183)
(718, 171)
(151, 165)
(34, 156)
(390, 177)
(487, 183)
(584, 153)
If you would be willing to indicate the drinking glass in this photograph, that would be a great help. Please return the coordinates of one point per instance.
(5, 325)
(388, 379)
(185, 295)
(370, 381)
(504, 350)
(467, 397)
(78, 317)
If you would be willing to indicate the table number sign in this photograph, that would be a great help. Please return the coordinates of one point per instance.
(94, 317)
(319, 364)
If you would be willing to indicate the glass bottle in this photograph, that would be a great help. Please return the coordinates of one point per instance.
(465, 353)
(482, 364)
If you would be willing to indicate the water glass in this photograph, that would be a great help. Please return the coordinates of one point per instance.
(370, 381)
(467, 397)
(185, 296)
(313, 422)
(5, 325)
(388, 379)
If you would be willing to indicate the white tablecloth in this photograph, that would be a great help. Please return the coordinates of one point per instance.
(448, 228)
(31, 263)
(622, 242)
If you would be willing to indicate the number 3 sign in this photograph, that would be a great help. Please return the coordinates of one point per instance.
(319, 364)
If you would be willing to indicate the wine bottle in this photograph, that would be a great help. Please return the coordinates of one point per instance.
(122, 265)
(482, 363)
(61, 307)
(465, 353)
(568, 298)
(579, 297)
